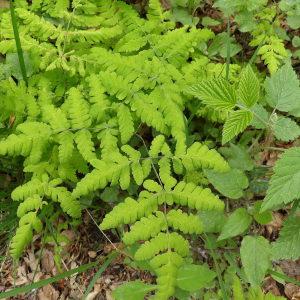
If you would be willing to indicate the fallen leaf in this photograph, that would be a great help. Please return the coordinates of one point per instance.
(48, 293)
(92, 254)
(292, 291)
(47, 262)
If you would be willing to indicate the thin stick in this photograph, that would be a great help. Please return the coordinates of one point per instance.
(106, 236)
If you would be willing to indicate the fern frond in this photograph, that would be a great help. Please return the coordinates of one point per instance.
(96, 179)
(273, 52)
(20, 240)
(199, 156)
(166, 280)
(69, 205)
(38, 26)
(165, 173)
(155, 11)
(16, 145)
(115, 84)
(146, 228)
(163, 242)
(94, 36)
(187, 223)
(135, 210)
(77, 109)
(85, 145)
(32, 203)
(55, 117)
(148, 112)
(195, 197)
(162, 259)
(33, 187)
(184, 194)
(99, 101)
(24, 233)
(126, 126)
(66, 146)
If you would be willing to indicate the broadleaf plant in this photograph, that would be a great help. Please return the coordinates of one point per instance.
(221, 95)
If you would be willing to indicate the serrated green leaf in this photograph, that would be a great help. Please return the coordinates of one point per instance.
(237, 223)
(182, 16)
(235, 124)
(217, 93)
(296, 41)
(245, 19)
(207, 21)
(294, 21)
(262, 218)
(230, 184)
(219, 45)
(181, 294)
(12, 65)
(287, 245)
(248, 90)
(194, 277)
(213, 221)
(283, 91)
(256, 258)
(284, 187)
(237, 157)
(134, 290)
(260, 117)
(285, 129)
(110, 194)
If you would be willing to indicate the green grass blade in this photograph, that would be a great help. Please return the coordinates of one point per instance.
(36, 285)
(107, 262)
(18, 41)
(217, 268)
(228, 49)
(284, 277)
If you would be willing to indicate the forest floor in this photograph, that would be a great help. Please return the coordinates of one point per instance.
(87, 244)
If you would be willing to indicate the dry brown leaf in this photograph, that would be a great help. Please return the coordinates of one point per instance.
(92, 295)
(31, 261)
(48, 293)
(274, 226)
(70, 234)
(92, 254)
(47, 262)
(270, 285)
(290, 268)
(292, 291)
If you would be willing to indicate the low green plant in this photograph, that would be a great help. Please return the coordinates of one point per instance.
(127, 109)
(81, 129)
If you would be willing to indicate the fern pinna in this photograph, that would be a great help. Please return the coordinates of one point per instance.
(100, 77)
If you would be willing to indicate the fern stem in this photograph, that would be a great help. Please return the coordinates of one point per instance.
(160, 183)
(228, 49)
(18, 42)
